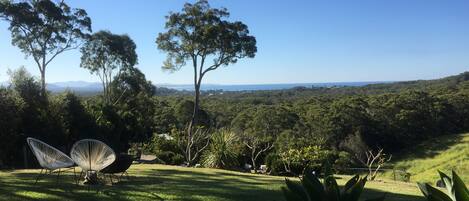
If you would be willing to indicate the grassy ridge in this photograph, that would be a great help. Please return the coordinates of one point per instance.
(444, 153)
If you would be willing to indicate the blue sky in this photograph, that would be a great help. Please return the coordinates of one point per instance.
(298, 41)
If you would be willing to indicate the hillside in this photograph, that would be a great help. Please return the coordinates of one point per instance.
(456, 82)
(443, 153)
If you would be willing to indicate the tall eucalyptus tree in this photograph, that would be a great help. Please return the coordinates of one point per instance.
(199, 33)
(44, 29)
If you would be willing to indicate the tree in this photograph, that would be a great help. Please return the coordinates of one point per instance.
(10, 122)
(131, 82)
(198, 33)
(75, 120)
(43, 29)
(194, 146)
(374, 161)
(134, 94)
(259, 127)
(183, 113)
(106, 52)
(164, 119)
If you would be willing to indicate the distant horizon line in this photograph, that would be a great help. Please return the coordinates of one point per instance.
(2, 82)
(271, 83)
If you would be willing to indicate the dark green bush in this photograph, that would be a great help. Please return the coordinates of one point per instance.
(177, 159)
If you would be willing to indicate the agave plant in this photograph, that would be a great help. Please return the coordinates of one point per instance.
(457, 190)
(311, 189)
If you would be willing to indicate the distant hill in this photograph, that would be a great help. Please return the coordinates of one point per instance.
(442, 153)
(343, 88)
(80, 86)
(446, 82)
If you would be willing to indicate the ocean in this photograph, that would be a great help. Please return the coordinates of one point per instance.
(254, 87)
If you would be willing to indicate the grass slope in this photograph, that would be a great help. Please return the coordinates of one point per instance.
(160, 182)
(446, 153)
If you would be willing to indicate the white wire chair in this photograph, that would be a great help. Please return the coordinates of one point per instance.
(92, 155)
(49, 158)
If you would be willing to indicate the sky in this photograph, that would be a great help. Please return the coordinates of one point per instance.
(298, 41)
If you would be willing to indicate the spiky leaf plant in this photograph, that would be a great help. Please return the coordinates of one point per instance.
(311, 189)
(457, 190)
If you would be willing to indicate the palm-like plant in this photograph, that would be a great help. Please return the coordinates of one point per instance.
(222, 151)
(457, 190)
(311, 189)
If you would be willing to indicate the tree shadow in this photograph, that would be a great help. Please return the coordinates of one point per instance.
(374, 193)
(161, 184)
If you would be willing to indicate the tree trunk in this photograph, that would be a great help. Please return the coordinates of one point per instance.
(254, 164)
(196, 105)
(43, 82)
(193, 122)
(253, 158)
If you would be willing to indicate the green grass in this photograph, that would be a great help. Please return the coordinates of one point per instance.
(444, 153)
(160, 182)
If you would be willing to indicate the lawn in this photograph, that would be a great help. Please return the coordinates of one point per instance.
(161, 182)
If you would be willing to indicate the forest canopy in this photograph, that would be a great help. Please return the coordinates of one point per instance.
(285, 129)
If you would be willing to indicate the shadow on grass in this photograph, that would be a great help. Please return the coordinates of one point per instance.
(373, 193)
(166, 184)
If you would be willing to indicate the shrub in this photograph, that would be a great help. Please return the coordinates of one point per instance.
(311, 188)
(297, 159)
(177, 159)
(10, 122)
(457, 190)
(165, 149)
(276, 165)
(343, 161)
(223, 150)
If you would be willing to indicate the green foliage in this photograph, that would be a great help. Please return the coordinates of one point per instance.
(183, 113)
(165, 149)
(133, 95)
(44, 29)
(297, 159)
(199, 30)
(311, 188)
(259, 126)
(222, 151)
(197, 33)
(457, 190)
(75, 121)
(164, 119)
(344, 160)
(105, 52)
(37, 117)
(10, 121)
(288, 135)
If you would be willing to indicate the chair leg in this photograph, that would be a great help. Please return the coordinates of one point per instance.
(110, 178)
(75, 176)
(77, 179)
(38, 176)
(126, 175)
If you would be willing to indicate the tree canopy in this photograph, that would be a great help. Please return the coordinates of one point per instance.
(105, 53)
(199, 33)
(44, 29)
